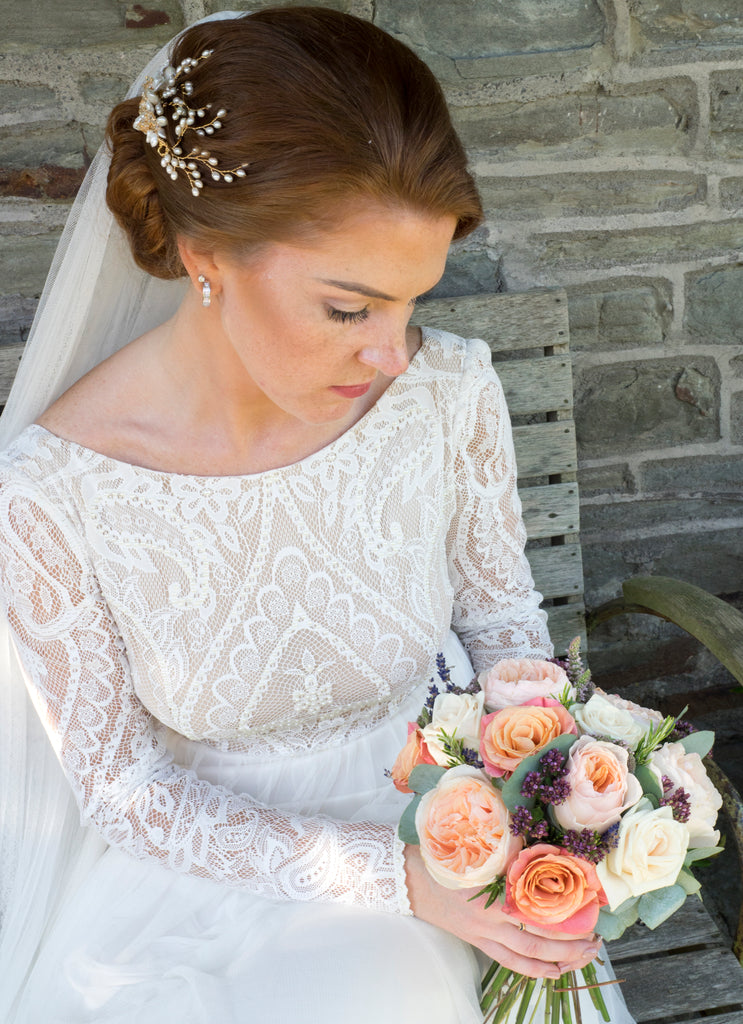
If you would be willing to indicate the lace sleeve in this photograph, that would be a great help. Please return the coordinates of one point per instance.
(496, 609)
(123, 778)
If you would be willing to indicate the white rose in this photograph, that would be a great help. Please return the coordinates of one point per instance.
(458, 715)
(599, 717)
(649, 854)
(688, 771)
(646, 717)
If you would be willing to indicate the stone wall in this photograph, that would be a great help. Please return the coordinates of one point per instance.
(607, 137)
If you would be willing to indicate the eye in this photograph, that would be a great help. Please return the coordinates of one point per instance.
(343, 316)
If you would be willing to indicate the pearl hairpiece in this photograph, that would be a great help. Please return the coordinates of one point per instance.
(151, 121)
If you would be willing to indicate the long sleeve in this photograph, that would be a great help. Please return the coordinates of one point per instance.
(124, 779)
(496, 609)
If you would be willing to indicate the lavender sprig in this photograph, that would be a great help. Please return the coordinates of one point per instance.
(677, 799)
(590, 845)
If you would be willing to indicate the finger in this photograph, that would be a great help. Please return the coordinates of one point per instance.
(515, 961)
(552, 949)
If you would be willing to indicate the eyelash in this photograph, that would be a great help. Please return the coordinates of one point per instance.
(343, 316)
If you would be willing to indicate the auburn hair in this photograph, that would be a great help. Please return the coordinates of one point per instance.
(325, 110)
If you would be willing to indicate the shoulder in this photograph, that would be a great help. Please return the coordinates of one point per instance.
(464, 364)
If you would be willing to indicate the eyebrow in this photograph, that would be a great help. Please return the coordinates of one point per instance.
(360, 289)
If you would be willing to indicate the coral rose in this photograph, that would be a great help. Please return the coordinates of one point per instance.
(463, 828)
(601, 787)
(551, 888)
(510, 735)
(414, 752)
(516, 680)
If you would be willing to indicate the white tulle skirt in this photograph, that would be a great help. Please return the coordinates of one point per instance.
(139, 944)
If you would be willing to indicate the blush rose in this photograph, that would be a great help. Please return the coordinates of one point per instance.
(517, 680)
(601, 786)
(510, 735)
(463, 827)
(553, 889)
(688, 771)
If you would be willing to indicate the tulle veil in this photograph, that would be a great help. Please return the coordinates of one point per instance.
(95, 301)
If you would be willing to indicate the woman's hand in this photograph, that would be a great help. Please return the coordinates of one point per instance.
(530, 951)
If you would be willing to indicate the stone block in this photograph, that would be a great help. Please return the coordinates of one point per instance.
(695, 476)
(79, 24)
(69, 145)
(21, 104)
(619, 314)
(104, 91)
(736, 417)
(735, 366)
(491, 28)
(627, 520)
(711, 557)
(585, 195)
(16, 315)
(614, 479)
(726, 114)
(646, 118)
(714, 306)
(45, 182)
(731, 193)
(659, 24)
(640, 405)
(468, 273)
(577, 250)
(25, 260)
(212, 6)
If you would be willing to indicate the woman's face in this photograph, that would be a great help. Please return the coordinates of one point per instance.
(313, 325)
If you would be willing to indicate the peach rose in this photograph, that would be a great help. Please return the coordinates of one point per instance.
(413, 753)
(510, 735)
(601, 786)
(516, 680)
(553, 889)
(463, 828)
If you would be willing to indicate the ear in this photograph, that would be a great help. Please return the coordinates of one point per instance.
(197, 262)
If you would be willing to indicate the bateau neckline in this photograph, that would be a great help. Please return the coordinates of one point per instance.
(426, 336)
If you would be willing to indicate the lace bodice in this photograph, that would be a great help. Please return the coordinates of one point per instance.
(270, 613)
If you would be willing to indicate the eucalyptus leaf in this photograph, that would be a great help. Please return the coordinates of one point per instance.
(701, 853)
(688, 882)
(406, 830)
(656, 907)
(650, 783)
(511, 792)
(698, 742)
(612, 924)
(424, 777)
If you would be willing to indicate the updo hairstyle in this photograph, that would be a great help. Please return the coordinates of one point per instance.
(326, 111)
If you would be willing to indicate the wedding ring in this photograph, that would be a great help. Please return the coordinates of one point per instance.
(521, 926)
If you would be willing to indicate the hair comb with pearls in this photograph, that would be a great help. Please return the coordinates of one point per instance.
(166, 90)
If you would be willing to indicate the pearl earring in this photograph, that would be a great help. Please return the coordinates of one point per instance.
(206, 291)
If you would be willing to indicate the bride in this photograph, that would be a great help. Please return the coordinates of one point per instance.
(231, 548)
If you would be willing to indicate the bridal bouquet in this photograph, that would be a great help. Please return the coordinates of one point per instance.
(579, 811)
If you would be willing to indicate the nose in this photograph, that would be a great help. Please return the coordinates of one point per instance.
(390, 356)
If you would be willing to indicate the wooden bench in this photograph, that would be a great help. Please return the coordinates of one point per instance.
(684, 970)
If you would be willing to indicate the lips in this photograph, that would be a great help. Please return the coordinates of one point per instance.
(352, 390)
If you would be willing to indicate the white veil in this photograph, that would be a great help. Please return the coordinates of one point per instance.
(95, 300)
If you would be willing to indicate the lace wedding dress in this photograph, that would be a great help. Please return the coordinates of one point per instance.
(225, 667)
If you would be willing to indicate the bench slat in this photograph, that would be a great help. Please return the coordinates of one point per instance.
(508, 322)
(557, 571)
(545, 448)
(537, 385)
(679, 983)
(551, 510)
